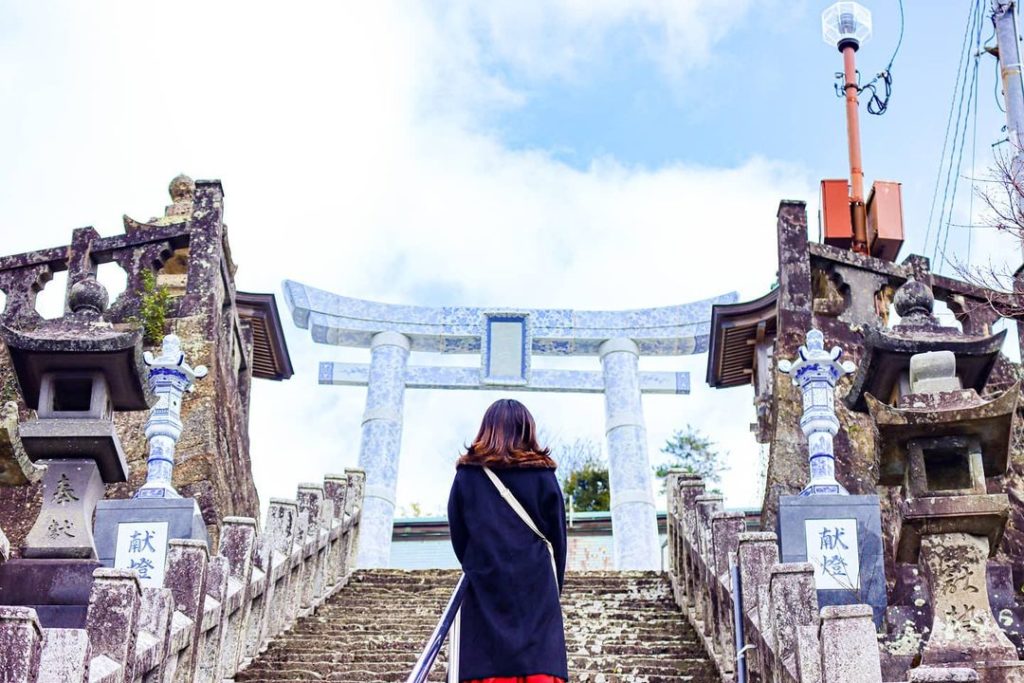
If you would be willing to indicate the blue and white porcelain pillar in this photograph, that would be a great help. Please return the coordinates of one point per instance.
(816, 371)
(634, 520)
(169, 377)
(381, 445)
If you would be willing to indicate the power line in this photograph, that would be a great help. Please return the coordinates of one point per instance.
(949, 119)
(971, 93)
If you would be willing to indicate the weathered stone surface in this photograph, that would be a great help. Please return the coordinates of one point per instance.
(846, 632)
(20, 640)
(213, 455)
(114, 615)
(71, 489)
(933, 371)
(757, 553)
(933, 674)
(793, 603)
(16, 468)
(964, 629)
(801, 265)
(65, 655)
(58, 590)
(620, 626)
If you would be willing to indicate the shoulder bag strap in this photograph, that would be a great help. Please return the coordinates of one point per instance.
(523, 515)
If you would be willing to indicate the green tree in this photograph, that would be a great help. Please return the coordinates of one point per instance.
(589, 490)
(692, 452)
(583, 473)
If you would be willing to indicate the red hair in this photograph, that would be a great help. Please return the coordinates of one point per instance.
(508, 438)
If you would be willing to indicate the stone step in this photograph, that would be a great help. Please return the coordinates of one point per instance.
(619, 628)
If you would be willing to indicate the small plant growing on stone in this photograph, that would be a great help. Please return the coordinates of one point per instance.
(154, 305)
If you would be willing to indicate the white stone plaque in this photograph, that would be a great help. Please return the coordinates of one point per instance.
(832, 550)
(142, 546)
(506, 362)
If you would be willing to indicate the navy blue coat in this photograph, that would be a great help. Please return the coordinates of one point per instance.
(511, 616)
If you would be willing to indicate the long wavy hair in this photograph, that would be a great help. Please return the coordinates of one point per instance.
(507, 438)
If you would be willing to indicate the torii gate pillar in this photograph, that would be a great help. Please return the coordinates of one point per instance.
(634, 517)
(381, 445)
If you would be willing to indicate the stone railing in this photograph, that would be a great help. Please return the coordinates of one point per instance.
(213, 615)
(786, 639)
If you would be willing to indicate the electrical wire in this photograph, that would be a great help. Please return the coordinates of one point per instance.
(970, 91)
(960, 72)
(878, 105)
(974, 155)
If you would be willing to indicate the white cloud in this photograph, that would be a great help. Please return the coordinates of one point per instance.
(545, 38)
(353, 158)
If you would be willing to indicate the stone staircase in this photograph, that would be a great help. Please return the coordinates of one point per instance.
(620, 627)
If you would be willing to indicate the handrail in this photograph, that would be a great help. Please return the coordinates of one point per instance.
(430, 652)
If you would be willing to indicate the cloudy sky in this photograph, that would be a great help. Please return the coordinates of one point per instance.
(567, 153)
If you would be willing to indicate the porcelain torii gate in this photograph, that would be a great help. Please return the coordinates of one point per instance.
(506, 339)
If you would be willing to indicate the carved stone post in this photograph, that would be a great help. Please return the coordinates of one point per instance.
(186, 577)
(849, 646)
(281, 529)
(64, 656)
(689, 491)
(113, 618)
(311, 507)
(237, 543)
(793, 603)
(725, 530)
(336, 490)
(20, 639)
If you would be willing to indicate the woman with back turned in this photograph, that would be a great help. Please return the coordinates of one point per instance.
(507, 521)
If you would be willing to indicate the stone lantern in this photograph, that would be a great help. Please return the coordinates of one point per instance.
(947, 442)
(942, 444)
(74, 372)
(133, 534)
(839, 534)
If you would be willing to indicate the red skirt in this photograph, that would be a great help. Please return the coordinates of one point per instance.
(534, 678)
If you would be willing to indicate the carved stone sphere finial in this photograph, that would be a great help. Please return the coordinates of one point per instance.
(914, 298)
(88, 296)
(182, 188)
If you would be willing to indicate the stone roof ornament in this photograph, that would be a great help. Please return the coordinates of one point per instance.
(88, 297)
(885, 360)
(183, 191)
(914, 300)
(816, 371)
(169, 378)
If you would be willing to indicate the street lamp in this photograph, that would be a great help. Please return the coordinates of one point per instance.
(846, 25)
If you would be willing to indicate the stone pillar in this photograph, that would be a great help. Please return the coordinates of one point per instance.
(792, 603)
(634, 521)
(381, 445)
(849, 645)
(20, 643)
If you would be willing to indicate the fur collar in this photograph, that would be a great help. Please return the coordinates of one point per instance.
(535, 461)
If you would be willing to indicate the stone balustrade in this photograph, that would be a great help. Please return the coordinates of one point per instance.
(786, 638)
(213, 615)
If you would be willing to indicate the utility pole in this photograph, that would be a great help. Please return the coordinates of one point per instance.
(1004, 18)
(846, 25)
